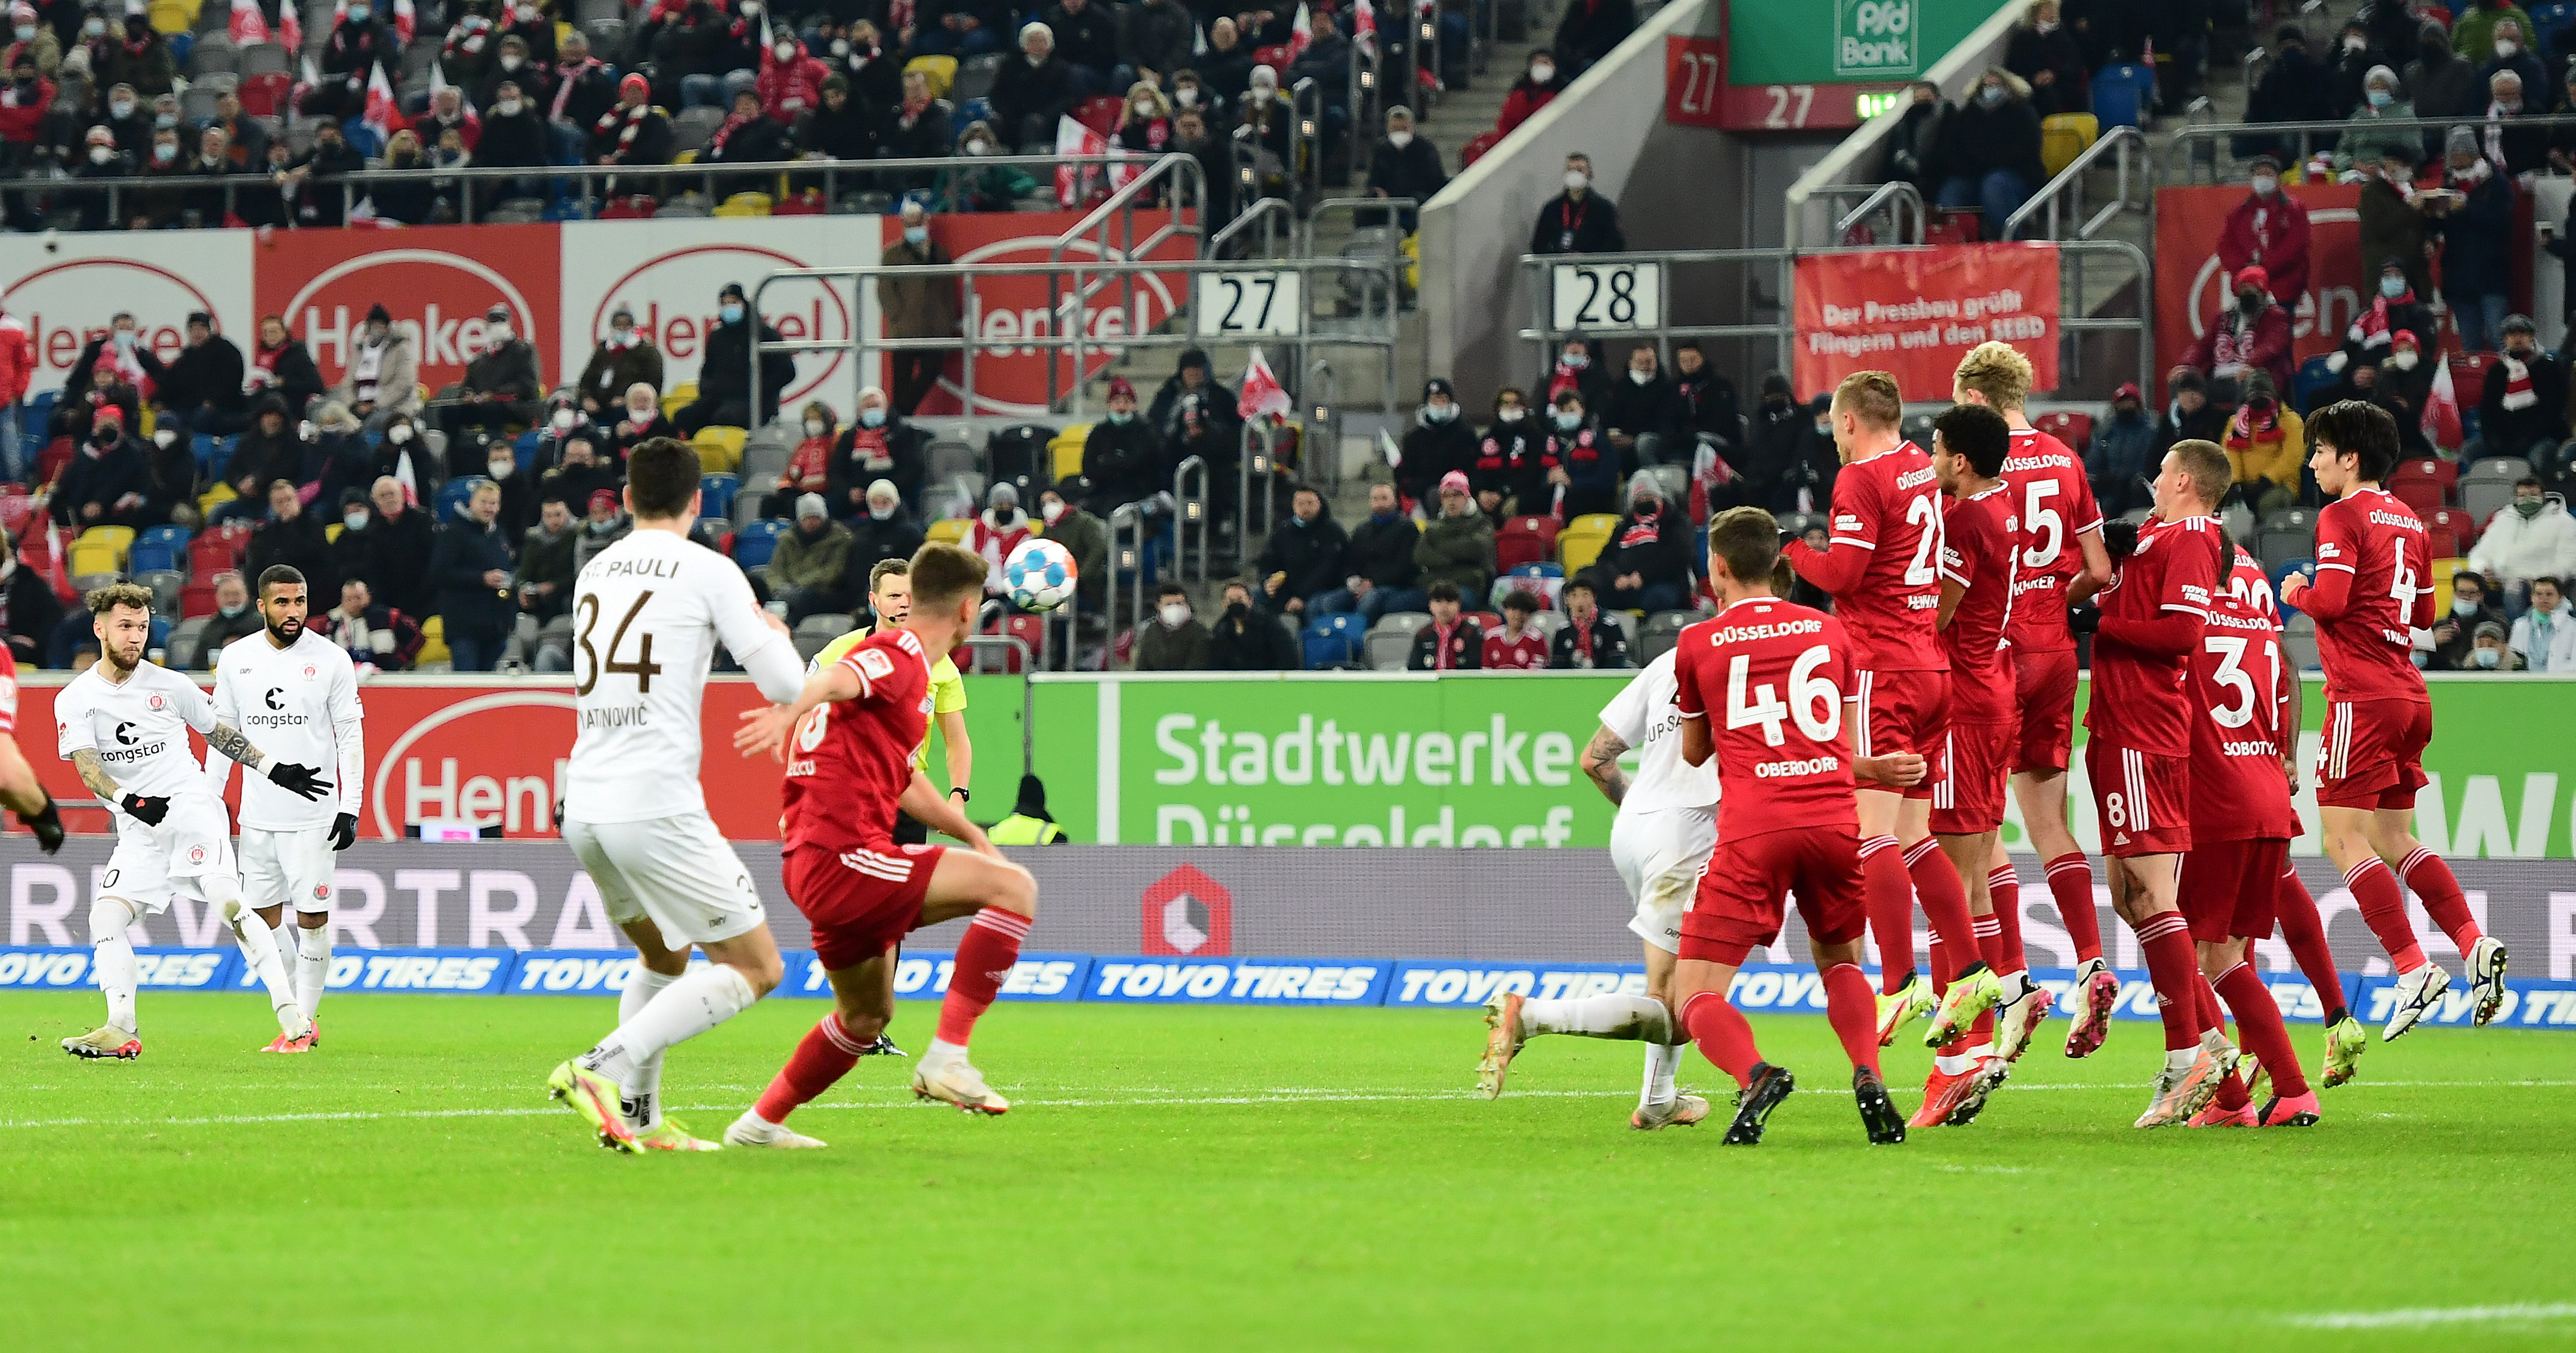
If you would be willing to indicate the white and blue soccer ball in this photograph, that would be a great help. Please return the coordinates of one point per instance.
(1039, 575)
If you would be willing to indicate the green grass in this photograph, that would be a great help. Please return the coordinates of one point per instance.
(1233, 1178)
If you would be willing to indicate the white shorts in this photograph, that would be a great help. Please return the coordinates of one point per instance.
(1659, 855)
(676, 870)
(191, 852)
(288, 868)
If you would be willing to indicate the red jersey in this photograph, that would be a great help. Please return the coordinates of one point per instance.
(2248, 583)
(849, 762)
(2371, 588)
(1776, 672)
(2054, 502)
(1529, 653)
(1981, 551)
(8, 692)
(1887, 511)
(2141, 699)
(2240, 685)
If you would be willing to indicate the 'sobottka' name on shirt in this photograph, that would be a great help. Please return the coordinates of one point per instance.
(1745, 634)
(615, 716)
(639, 568)
(2262, 748)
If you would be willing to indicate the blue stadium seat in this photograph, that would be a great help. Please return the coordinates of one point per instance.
(160, 548)
(525, 448)
(31, 427)
(2123, 92)
(716, 493)
(1333, 640)
(451, 499)
(756, 541)
(2314, 375)
(2281, 574)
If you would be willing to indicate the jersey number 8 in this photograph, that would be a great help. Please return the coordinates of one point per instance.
(1813, 701)
(643, 668)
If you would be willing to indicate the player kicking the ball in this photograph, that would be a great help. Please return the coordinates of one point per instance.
(123, 724)
(1666, 827)
(849, 764)
(647, 613)
(1775, 674)
(301, 694)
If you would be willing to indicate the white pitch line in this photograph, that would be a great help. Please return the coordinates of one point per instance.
(2425, 1316)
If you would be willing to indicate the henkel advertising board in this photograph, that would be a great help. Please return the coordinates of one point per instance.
(67, 287)
(1011, 377)
(436, 281)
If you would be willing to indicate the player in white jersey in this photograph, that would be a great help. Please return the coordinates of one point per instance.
(1662, 838)
(647, 615)
(123, 724)
(299, 693)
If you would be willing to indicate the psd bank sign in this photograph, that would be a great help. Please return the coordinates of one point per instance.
(1874, 39)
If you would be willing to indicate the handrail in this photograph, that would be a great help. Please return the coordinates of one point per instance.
(1127, 522)
(1307, 132)
(1190, 510)
(1260, 212)
(1892, 194)
(1353, 205)
(2070, 181)
(2184, 140)
(1119, 206)
(1255, 460)
(1323, 425)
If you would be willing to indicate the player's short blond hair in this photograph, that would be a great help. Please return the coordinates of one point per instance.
(943, 574)
(1872, 397)
(1997, 373)
(2204, 463)
(105, 599)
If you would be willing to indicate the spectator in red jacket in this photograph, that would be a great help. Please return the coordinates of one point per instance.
(23, 101)
(1533, 91)
(2251, 335)
(2269, 230)
(791, 79)
(17, 366)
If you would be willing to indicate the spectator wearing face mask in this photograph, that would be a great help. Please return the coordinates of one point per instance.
(2266, 444)
(234, 618)
(2191, 413)
(1145, 122)
(790, 83)
(810, 571)
(1588, 638)
(2295, 87)
(2393, 309)
(1174, 640)
(749, 136)
(1439, 442)
(877, 446)
(1779, 426)
(1122, 454)
(2455, 631)
(170, 478)
(1227, 64)
(545, 578)
(725, 397)
(107, 481)
(582, 473)
(318, 178)
(2352, 59)
(1304, 559)
(2401, 384)
(102, 163)
(1992, 157)
(2267, 230)
(2044, 54)
(2120, 461)
(1192, 377)
(880, 530)
(2488, 650)
(2370, 139)
(1457, 546)
(1247, 640)
(1580, 470)
(1266, 120)
(1578, 369)
(2510, 143)
(1578, 220)
(2533, 537)
(809, 466)
(1702, 408)
(1451, 642)
(573, 97)
(2514, 56)
(1404, 165)
(110, 367)
(622, 361)
(395, 539)
(1507, 455)
(268, 449)
(1379, 561)
(1033, 90)
(604, 525)
(2523, 410)
(917, 308)
(518, 492)
(383, 376)
(1086, 537)
(999, 529)
(358, 43)
(1635, 409)
(975, 185)
(501, 386)
(2474, 221)
(1647, 564)
(840, 127)
(632, 131)
(2544, 637)
(1537, 88)
(2250, 336)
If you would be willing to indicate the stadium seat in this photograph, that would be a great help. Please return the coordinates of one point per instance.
(167, 586)
(2443, 570)
(745, 205)
(2455, 523)
(433, 645)
(1583, 540)
(814, 632)
(1545, 579)
(197, 599)
(2313, 375)
(2287, 535)
(948, 530)
(1408, 623)
(715, 495)
(102, 549)
(2299, 642)
(1335, 640)
(2066, 425)
(1065, 450)
(1525, 540)
(679, 397)
(1100, 112)
(2122, 93)
(452, 496)
(184, 638)
(754, 542)
(1389, 650)
(2424, 483)
(719, 448)
(2063, 137)
(15, 509)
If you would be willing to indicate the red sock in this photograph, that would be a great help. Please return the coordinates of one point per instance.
(2005, 887)
(2439, 890)
(2070, 881)
(2258, 1023)
(1725, 1039)
(1888, 896)
(2165, 939)
(2383, 906)
(984, 959)
(822, 1057)
(2305, 931)
(1852, 1008)
(1945, 902)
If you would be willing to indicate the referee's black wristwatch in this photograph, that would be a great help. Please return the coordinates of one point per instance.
(962, 794)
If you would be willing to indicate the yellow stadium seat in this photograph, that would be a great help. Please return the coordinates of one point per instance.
(949, 530)
(1603, 523)
(172, 17)
(942, 71)
(679, 396)
(745, 204)
(2443, 571)
(1066, 450)
(117, 540)
(433, 643)
(214, 497)
(90, 560)
(685, 157)
(331, 533)
(1577, 549)
(719, 449)
(2063, 137)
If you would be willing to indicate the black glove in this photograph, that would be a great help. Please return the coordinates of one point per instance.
(149, 812)
(2084, 619)
(2120, 540)
(302, 781)
(344, 831)
(48, 826)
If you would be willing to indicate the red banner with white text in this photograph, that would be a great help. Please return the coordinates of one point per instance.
(1914, 313)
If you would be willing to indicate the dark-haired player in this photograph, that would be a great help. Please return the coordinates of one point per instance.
(849, 763)
(1883, 572)
(2370, 588)
(2138, 757)
(1761, 688)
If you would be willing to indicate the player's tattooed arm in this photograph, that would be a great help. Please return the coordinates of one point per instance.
(95, 775)
(230, 741)
(1601, 762)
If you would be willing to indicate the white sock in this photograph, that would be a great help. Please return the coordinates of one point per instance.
(114, 962)
(2180, 1059)
(259, 949)
(312, 967)
(642, 1102)
(1661, 1060)
(283, 936)
(1605, 1016)
(939, 1052)
(685, 1009)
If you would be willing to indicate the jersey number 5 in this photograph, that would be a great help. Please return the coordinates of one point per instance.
(2043, 520)
(1813, 701)
(643, 669)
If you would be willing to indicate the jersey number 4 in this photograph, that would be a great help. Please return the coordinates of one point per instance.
(643, 669)
(1813, 701)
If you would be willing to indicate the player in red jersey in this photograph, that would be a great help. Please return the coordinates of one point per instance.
(2369, 591)
(1980, 560)
(2245, 702)
(1775, 672)
(19, 790)
(855, 727)
(1883, 572)
(2063, 562)
(2138, 756)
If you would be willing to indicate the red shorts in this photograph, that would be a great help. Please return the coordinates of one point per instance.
(2229, 888)
(1904, 712)
(2372, 755)
(2044, 684)
(1968, 797)
(1738, 905)
(860, 902)
(2142, 798)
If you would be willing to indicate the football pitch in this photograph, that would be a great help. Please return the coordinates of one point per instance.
(1243, 1178)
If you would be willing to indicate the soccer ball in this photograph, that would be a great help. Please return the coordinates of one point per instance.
(1039, 574)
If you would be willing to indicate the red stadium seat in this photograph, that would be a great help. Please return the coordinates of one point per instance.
(2462, 527)
(1276, 56)
(2424, 482)
(1476, 147)
(1100, 113)
(2074, 429)
(1487, 621)
(1525, 540)
(265, 95)
(197, 599)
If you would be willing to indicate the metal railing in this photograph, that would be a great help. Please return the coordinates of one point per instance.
(2191, 147)
(1254, 466)
(1321, 448)
(1190, 513)
(1354, 206)
(1265, 214)
(1127, 546)
(2061, 199)
(1896, 197)
(1114, 224)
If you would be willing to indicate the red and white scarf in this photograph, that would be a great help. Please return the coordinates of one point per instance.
(2248, 428)
(2517, 385)
(566, 75)
(2233, 344)
(2371, 330)
(633, 118)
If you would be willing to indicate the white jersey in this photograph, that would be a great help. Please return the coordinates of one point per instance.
(139, 729)
(300, 704)
(1645, 717)
(647, 614)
